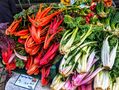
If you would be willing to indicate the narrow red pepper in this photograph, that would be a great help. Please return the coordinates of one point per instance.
(22, 32)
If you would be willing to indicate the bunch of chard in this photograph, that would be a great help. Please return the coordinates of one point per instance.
(39, 40)
(77, 65)
(57, 82)
(107, 56)
(102, 81)
(6, 47)
(72, 52)
(83, 78)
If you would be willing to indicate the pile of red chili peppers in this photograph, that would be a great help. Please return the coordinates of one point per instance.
(39, 40)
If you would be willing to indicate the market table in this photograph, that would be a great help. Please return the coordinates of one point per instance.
(10, 84)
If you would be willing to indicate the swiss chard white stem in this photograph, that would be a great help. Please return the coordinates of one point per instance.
(108, 58)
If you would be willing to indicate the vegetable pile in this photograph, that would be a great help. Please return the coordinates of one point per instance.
(80, 41)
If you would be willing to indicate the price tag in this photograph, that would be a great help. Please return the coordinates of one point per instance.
(26, 81)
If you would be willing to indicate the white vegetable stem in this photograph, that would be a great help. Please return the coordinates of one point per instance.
(108, 58)
(102, 80)
(20, 56)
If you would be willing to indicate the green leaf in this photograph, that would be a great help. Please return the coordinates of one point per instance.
(19, 63)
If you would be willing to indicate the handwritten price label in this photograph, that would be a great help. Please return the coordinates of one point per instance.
(26, 81)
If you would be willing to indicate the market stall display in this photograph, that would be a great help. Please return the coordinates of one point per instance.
(80, 41)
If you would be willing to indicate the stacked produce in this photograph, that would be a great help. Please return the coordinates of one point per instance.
(80, 41)
(37, 41)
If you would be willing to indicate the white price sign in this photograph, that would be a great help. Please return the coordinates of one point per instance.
(26, 81)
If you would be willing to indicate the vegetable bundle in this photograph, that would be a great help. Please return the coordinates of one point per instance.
(80, 42)
(37, 39)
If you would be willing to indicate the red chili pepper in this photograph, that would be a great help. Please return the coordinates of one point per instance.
(22, 32)
(52, 50)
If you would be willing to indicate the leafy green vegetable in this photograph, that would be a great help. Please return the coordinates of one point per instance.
(19, 63)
